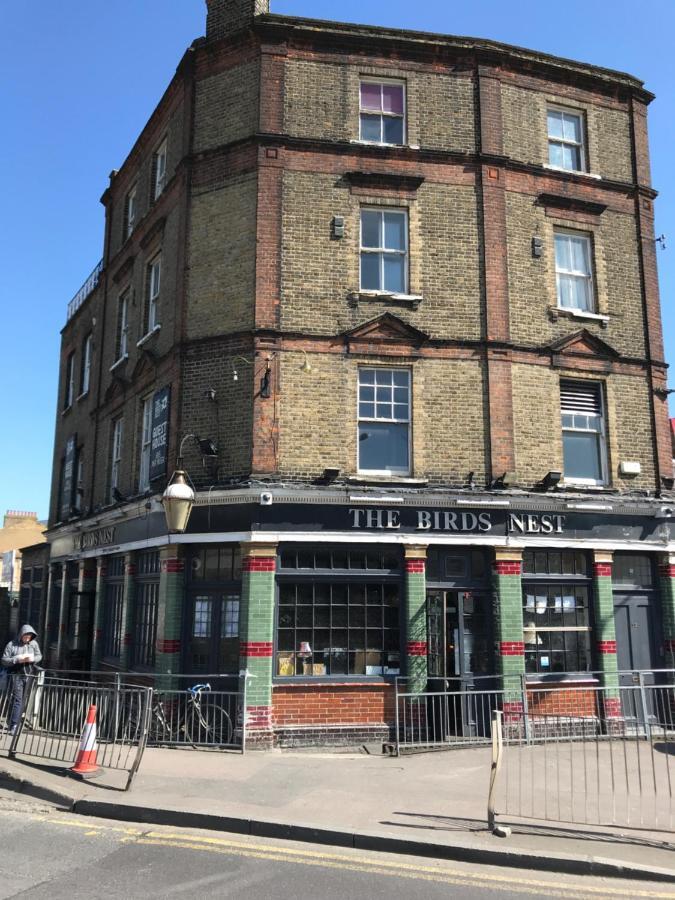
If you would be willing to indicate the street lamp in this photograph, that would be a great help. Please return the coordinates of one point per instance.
(178, 500)
(179, 496)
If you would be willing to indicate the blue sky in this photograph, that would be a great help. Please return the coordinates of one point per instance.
(81, 77)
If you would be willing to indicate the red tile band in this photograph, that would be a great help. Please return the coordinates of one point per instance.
(508, 567)
(256, 648)
(172, 566)
(415, 566)
(168, 646)
(416, 648)
(669, 644)
(126, 640)
(130, 569)
(98, 634)
(512, 648)
(602, 570)
(606, 646)
(259, 564)
(258, 717)
(612, 707)
(667, 570)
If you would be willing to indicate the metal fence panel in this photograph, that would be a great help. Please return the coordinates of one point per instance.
(54, 714)
(607, 759)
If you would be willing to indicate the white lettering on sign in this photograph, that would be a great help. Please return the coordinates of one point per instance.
(535, 524)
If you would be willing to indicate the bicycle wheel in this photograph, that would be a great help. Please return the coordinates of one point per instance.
(208, 725)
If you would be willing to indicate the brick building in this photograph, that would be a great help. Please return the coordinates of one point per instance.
(395, 296)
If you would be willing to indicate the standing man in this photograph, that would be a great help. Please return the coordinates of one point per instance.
(19, 658)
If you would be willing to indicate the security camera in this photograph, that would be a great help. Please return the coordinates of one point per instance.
(667, 512)
(266, 498)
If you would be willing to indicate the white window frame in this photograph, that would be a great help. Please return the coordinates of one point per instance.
(602, 435)
(384, 115)
(131, 211)
(116, 455)
(146, 444)
(69, 394)
(564, 142)
(160, 169)
(86, 366)
(387, 473)
(79, 482)
(154, 287)
(123, 325)
(587, 277)
(382, 252)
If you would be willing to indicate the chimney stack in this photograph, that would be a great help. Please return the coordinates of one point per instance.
(225, 17)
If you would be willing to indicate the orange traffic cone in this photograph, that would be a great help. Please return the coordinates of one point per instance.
(85, 762)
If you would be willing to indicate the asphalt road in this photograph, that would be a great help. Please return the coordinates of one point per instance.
(45, 853)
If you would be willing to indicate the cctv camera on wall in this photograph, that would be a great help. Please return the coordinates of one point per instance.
(266, 498)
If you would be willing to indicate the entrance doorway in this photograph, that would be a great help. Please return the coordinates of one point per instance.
(212, 645)
(637, 649)
(459, 631)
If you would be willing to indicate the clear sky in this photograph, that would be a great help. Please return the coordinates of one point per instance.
(79, 80)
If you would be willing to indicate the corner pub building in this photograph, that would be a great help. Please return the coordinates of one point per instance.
(392, 299)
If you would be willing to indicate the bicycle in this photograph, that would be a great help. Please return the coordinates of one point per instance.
(199, 724)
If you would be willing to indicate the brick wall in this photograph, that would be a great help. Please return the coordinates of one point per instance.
(226, 105)
(322, 100)
(607, 125)
(339, 704)
(562, 701)
(221, 257)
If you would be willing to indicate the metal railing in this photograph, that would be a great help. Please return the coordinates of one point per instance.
(609, 759)
(87, 288)
(54, 712)
(210, 718)
(462, 716)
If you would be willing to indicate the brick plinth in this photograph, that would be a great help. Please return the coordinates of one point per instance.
(339, 704)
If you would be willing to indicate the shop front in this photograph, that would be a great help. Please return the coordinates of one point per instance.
(326, 604)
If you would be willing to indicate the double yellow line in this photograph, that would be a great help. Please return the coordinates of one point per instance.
(350, 862)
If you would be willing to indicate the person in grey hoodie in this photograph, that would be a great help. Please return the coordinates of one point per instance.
(19, 658)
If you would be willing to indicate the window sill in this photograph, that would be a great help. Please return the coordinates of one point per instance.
(579, 172)
(560, 678)
(363, 143)
(389, 297)
(148, 336)
(332, 680)
(119, 362)
(375, 478)
(555, 312)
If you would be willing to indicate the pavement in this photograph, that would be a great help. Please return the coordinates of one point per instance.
(430, 805)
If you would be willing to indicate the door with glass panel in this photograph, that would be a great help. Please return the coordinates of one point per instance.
(213, 636)
(459, 638)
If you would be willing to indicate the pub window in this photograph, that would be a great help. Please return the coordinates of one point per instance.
(145, 609)
(146, 441)
(583, 432)
(556, 616)
(122, 332)
(633, 569)
(69, 390)
(384, 421)
(346, 626)
(85, 366)
(114, 608)
(216, 562)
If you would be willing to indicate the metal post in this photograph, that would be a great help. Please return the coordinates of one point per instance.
(396, 736)
(497, 752)
(643, 705)
(526, 710)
